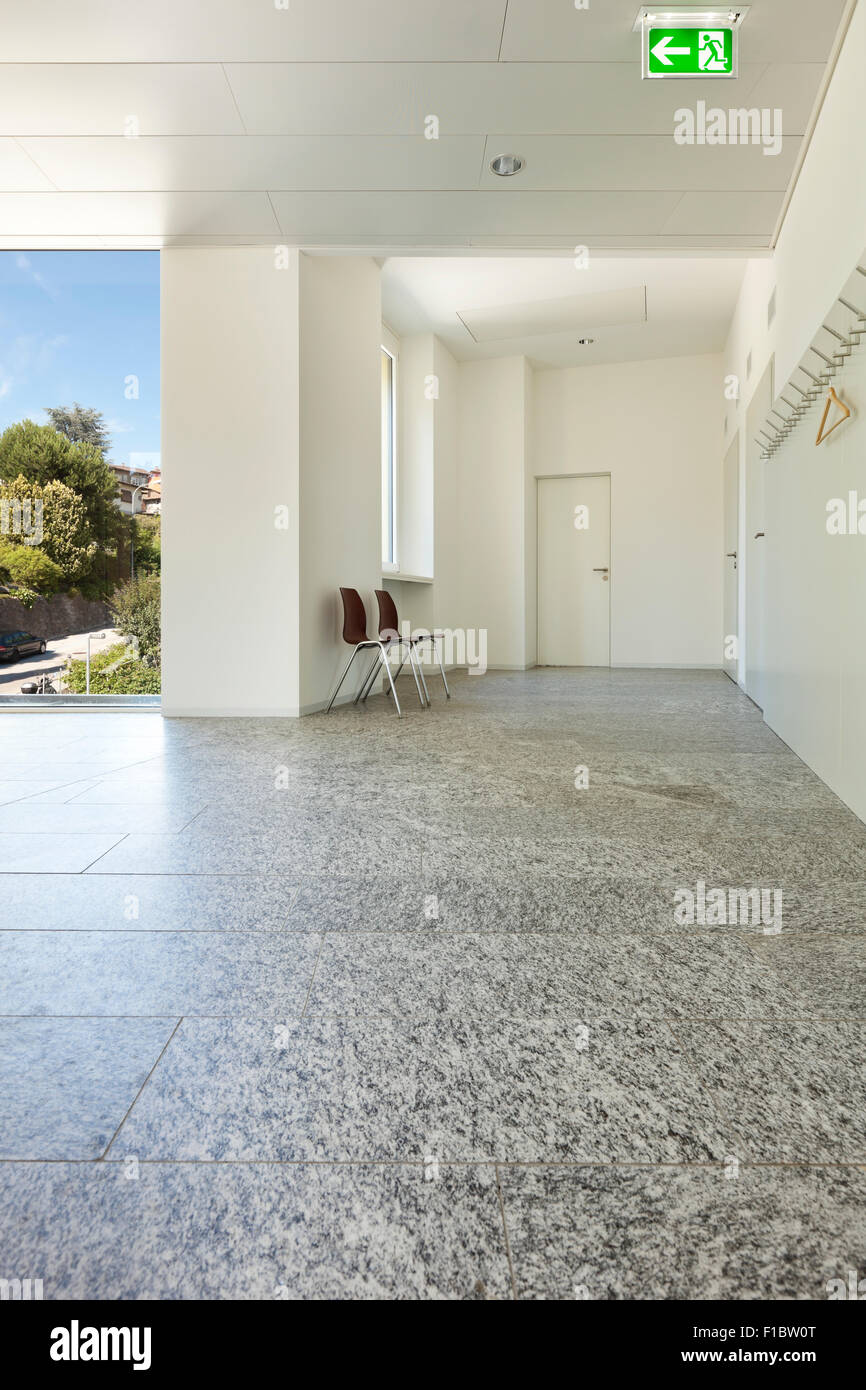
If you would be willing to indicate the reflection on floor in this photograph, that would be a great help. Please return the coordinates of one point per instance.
(364, 1007)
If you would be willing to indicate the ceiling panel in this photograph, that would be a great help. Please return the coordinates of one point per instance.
(782, 31)
(260, 162)
(309, 216)
(540, 317)
(17, 170)
(64, 31)
(689, 302)
(485, 98)
(98, 98)
(715, 245)
(711, 213)
(129, 214)
(635, 162)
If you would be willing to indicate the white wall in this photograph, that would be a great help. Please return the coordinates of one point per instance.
(815, 640)
(229, 457)
(655, 427)
(270, 397)
(815, 683)
(340, 461)
(491, 505)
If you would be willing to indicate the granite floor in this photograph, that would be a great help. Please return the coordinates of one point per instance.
(362, 1008)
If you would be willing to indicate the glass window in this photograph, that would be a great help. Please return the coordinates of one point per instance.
(389, 462)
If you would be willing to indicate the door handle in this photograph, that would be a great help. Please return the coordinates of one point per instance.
(731, 555)
(600, 569)
(758, 535)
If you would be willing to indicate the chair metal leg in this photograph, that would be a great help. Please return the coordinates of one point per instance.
(399, 669)
(414, 664)
(367, 685)
(342, 678)
(391, 679)
(420, 664)
(441, 667)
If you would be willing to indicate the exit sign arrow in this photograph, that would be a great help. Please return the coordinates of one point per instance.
(663, 48)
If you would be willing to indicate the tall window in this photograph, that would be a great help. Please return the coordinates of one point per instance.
(80, 480)
(389, 461)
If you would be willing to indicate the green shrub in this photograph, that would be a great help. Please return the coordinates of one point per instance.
(26, 597)
(129, 678)
(30, 568)
(136, 609)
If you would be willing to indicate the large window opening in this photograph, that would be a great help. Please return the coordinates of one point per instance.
(80, 477)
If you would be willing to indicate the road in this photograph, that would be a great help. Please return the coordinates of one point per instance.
(28, 668)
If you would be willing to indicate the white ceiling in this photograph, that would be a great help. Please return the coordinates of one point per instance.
(307, 124)
(689, 303)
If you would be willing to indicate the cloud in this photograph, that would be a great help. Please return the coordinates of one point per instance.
(24, 263)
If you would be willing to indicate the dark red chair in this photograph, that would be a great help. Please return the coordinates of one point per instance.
(355, 636)
(389, 632)
(389, 623)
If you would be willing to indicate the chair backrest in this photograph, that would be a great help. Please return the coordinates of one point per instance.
(389, 623)
(354, 617)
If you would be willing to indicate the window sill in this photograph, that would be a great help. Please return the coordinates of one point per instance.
(409, 578)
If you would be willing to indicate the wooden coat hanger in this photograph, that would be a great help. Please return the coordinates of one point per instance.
(832, 399)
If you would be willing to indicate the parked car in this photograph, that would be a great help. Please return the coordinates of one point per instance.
(15, 644)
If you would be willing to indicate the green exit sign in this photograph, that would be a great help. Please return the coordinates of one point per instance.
(689, 51)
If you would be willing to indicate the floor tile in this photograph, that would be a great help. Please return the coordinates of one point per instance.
(146, 973)
(148, 902)
(504, 902)
(391, 1089)
(683, 1233)
(551, 975)
(73, 818)
(785, 1092)
(17, 791)
(251, 854)
(568, 857)
(828, 968)
(67, 1083)
(52, 854)
(229, 1231)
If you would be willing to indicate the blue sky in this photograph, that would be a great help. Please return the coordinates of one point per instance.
(74, 325)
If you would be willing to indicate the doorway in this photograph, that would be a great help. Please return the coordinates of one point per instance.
(574, 570)
(731, 638)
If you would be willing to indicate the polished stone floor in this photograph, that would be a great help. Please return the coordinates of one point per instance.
(358, 1007)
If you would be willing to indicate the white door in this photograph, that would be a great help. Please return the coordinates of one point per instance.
(574, 571)
(731, 561)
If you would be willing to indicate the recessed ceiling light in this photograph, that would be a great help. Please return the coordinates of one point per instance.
(585, 342)
(506, 164)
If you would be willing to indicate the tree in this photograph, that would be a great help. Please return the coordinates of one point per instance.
(136, 609)
(81, 425)
(146, 537)
(64, 535)
(41, 454)
(29, 568)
